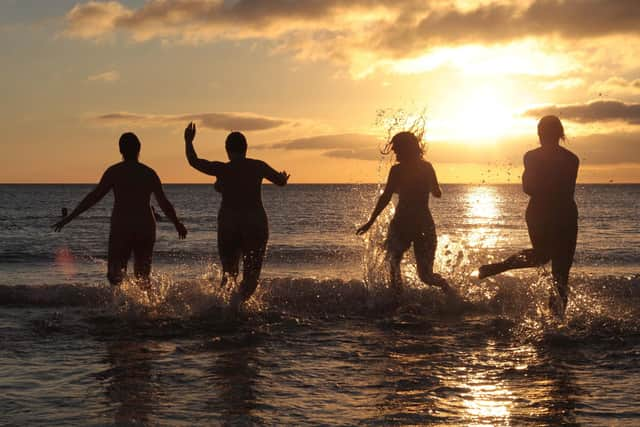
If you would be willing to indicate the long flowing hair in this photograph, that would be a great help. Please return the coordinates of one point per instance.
(408, 143)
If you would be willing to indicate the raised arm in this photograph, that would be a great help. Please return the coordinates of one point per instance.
(382, 203)
(167, 208)
(204, 166)
(278, 178)
(90, 199)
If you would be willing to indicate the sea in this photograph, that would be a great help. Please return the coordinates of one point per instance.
(320, 342)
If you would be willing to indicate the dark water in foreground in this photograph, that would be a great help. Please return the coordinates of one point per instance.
(317, 344)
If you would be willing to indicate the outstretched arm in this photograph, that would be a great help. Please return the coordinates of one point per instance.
(204, 166)
(90, 199)
(435, 186)
(167, 208)
(382, 203)
(278, 178)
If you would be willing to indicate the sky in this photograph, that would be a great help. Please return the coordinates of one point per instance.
(317, 85)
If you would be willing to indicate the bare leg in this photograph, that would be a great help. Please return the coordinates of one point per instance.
(425, 252)
(561, 261)
(117, 258)
(142, 256)
(396, 273)
(524, 259)
(251, 268)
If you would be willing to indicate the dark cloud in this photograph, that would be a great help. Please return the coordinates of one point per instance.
(326, 142)
(218, 121)
(598, 111)
(596, 149)
(401, 28)
(503, 22)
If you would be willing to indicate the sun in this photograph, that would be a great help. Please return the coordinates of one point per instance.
(481, 116)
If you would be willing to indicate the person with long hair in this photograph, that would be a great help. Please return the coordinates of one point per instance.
(413, 179)
(243, 228)
(549, 178)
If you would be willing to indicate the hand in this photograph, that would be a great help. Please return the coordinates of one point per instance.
(285, 176)
(58, 225)
(181, 229)
(363, 229)
(190, 132)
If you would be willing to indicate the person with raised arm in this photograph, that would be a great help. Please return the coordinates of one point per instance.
(549, 178)
(243, 229)
(413, 179)
(133, 226)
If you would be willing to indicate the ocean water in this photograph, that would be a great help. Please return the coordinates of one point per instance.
(318, 343)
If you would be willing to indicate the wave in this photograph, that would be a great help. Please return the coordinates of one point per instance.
(511, 296)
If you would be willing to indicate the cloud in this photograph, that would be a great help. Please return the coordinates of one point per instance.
(108, 76)
(608, 148)
(617, 85)
(325, 142)
(94, 19)
(363, 34)
(356, 146)
(596, 111)
(217, 121)
(593, 149)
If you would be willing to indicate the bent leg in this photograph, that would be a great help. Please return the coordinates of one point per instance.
(251, 268)
(524, 259)
(424, 248)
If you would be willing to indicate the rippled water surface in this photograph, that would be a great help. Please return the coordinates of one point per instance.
(319, 343)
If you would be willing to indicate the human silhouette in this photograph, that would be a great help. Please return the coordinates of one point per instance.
(65, 212)
(243, 228)
(413, 179)
(133, 226)
(549, 179)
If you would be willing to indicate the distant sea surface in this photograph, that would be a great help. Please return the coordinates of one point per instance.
(318, 343)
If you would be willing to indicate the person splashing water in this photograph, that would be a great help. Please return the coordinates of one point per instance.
(549, 178)
(243, 229)
(413, 179)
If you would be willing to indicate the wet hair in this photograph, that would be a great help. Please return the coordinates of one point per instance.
(550, 130)
(406, 145)
(236, 143)
(129, 146)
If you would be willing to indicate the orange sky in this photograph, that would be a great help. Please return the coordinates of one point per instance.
(315, 84)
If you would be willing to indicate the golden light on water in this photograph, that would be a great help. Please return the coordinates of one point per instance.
(488, 403)
(482, 208)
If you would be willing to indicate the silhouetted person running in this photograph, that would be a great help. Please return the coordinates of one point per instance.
(133, 226)
(243, 229)
(413, 179)
(549, 178)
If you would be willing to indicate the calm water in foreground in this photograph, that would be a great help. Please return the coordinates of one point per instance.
(317, 344)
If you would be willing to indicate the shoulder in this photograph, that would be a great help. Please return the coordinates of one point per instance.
(531, 155)
(571, 156)
(147, 170)
(427, 165)
(113, 169)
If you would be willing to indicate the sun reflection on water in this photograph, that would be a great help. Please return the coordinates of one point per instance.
(483, 212)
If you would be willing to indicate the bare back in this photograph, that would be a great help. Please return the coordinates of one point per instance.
(412, 181)
(550, 175)
(132, 183)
